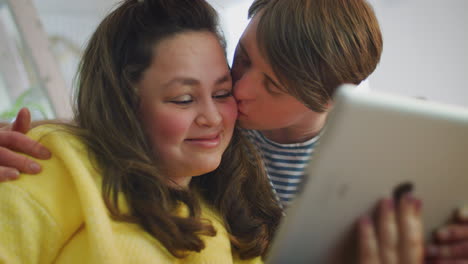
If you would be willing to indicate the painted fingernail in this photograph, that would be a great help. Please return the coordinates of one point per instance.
(34, 167)
(409, 197)
(406, 199)
(44, 153)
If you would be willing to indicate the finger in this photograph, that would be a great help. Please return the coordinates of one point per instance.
(5, 127)
(368, 249)
(451, 233)
(19, 162)
(22, 122)
(8, 174)
(410, 230)
(387, 232)
(16, 141)
(455, 251)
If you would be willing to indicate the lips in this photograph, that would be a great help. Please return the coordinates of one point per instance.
(239, 110)
(205, 141)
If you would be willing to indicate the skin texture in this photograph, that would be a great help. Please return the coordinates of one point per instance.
(450, 246)
(189, 112)
(259, 99)
(397, 236)
(12, 139)
(263, 104)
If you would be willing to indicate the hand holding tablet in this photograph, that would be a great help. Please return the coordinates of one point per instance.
(372, 144)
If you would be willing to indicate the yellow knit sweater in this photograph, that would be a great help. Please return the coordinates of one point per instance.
(59, 216)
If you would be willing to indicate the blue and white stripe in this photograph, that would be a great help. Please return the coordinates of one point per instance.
(285, 163)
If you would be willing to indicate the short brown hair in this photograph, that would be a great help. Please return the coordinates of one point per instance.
(313, 46)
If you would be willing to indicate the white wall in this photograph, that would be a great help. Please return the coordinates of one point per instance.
(424, 53)
(234, 21)
(73, 28)
(76, 22)
(425, 49)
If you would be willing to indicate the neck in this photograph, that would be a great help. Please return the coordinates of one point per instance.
(301, 131)
(180, 182)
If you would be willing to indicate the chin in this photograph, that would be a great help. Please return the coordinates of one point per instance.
(207, 168)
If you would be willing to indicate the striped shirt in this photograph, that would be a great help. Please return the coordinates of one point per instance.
(285, 163)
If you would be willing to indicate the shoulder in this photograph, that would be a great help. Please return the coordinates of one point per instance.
(54, 135)
(43, 209)
(54, 189)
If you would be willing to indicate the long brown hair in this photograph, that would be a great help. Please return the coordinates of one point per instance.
(313, 46)
(107, 120)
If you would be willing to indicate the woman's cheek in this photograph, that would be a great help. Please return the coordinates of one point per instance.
(230, 111)
(169, 126)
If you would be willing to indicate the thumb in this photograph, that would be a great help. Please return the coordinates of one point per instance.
(22, 123)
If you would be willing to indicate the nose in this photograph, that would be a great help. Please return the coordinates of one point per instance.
(243, 87)
(209, 114)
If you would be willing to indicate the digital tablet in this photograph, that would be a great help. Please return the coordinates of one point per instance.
(373, 143)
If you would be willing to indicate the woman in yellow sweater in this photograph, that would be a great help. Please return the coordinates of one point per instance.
(153, 171)
(153, 109)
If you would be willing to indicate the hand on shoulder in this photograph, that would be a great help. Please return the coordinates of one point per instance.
(14, 141)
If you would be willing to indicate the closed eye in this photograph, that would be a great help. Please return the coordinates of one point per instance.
(182, 100)
(223, 95)
(272, 87)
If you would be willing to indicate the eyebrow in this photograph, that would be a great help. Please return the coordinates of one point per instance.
(223, 79)
(194, 82)
(266, 75)
(182, 81)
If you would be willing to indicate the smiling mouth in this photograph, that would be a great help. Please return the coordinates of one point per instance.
(205, 142)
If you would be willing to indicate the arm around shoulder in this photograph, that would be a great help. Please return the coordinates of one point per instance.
(38, 214)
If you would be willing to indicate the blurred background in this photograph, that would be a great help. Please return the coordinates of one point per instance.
(425, 49)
